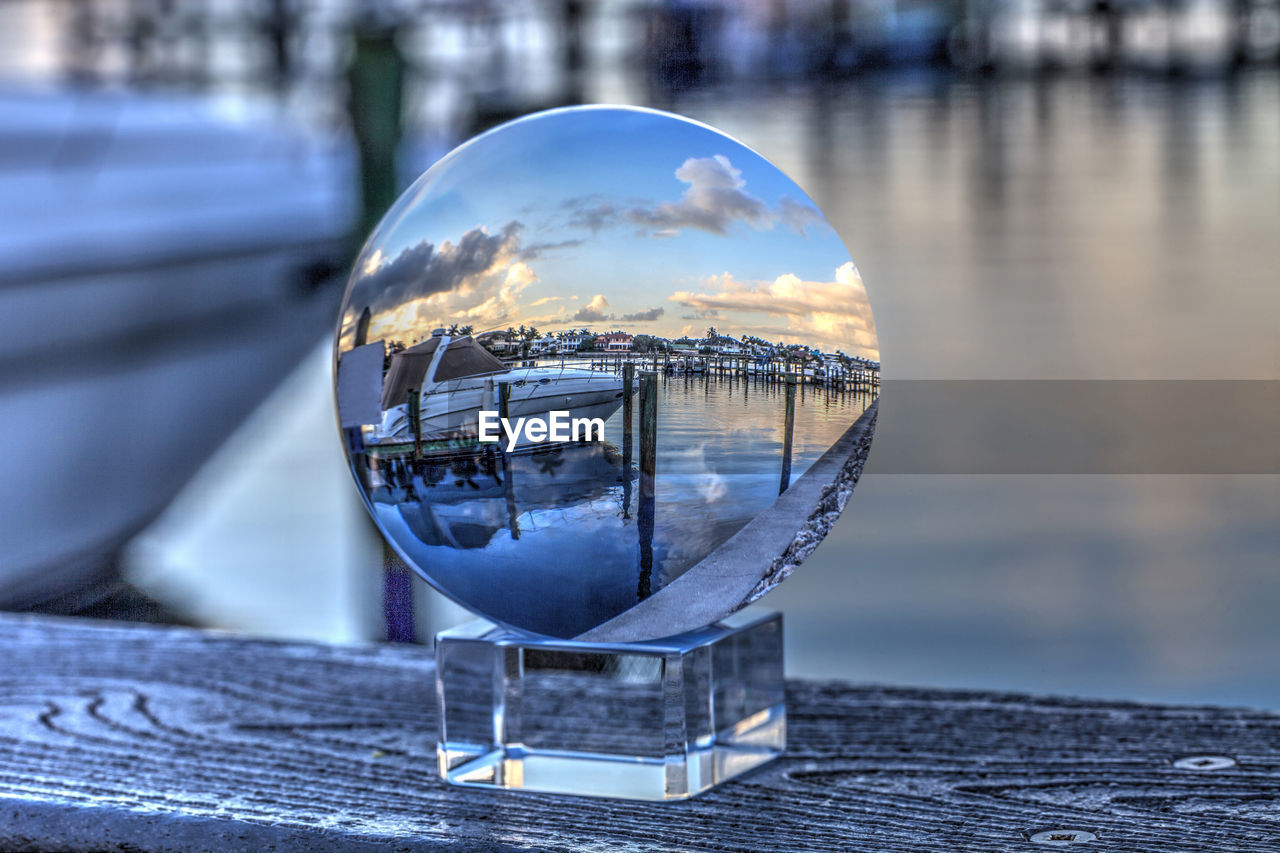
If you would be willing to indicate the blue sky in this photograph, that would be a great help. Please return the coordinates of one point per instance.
(611, 218)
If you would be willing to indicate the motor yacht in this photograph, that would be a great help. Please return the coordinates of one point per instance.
(456, 378)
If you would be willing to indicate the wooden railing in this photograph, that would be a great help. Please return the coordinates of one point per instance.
(139, 738)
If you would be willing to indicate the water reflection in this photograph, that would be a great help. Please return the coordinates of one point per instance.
(512, 533)
(1068, 229)
(542, 278)
(1072, 228)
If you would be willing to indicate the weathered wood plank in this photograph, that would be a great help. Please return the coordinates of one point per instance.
(142, 738)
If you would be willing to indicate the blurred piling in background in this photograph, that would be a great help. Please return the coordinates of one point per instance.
(376, 103)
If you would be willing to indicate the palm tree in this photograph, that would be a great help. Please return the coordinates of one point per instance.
(467, 330)
(712, 334)
(527, 336)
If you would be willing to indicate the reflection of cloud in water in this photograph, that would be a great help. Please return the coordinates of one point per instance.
(693, 460)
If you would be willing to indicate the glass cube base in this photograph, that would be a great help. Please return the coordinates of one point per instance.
(658, 720)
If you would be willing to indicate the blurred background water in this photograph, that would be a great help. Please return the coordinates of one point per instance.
(1034, 191)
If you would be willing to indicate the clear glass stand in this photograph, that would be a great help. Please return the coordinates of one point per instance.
(658, 720)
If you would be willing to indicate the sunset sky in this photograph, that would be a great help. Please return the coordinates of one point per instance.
(611, 218)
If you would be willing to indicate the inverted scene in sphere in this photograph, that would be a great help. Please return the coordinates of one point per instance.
(585, 351)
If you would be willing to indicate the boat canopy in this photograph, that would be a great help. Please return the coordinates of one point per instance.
(462, 357)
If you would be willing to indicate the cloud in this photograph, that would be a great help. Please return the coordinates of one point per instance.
(499, 302)
(715, 198)
(593, 311)
(375, 260)
(597, 311)
(535, 250)
(644, 316)
(595, 215)
(477, 280)
(798, 215)
(833, 314)
(425, 269)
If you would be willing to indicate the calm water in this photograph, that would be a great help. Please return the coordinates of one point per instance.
(499, 537)
(1076, 227)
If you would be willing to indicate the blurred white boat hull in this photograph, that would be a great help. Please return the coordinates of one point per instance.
(162, 268)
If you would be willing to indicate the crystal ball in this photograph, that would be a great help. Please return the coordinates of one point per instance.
(605, 373)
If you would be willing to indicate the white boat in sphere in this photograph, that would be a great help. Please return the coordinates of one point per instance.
(457, 378)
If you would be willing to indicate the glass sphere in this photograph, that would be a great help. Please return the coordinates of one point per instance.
(581, 358)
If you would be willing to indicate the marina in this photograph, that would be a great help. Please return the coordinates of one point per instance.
(1067, 217)
(855, 377)
(1043, 195)
(681, 291)
(445, 411)
(636, 510)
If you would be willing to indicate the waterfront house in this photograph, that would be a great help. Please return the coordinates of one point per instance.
(572, 340)
(614, 342)
(497, 342)
(545, 345)
(722, 344)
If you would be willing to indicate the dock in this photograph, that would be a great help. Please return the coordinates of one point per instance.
(851, 378)
(143, 738)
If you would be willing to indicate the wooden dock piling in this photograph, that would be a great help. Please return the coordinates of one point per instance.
(504, 400)
(788, 431)
(628, 406)
(648, 471)
(628, 426)
(415, 421)
(508, 484)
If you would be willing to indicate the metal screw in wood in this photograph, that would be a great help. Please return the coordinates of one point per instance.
(1058, 837)
(1203, 763)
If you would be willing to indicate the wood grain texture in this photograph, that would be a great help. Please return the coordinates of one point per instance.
(144, 738)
